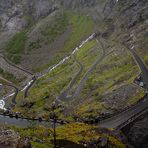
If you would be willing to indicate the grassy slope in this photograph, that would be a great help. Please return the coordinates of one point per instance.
(115, 69)
(75, 132)
(16, 46)
(102, 79)
(82, 26)
(50, 86)
(58, 27)
(8, 76)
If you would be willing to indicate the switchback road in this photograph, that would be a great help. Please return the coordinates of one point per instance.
(127, 115)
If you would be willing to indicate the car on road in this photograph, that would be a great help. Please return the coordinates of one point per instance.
(141, 84)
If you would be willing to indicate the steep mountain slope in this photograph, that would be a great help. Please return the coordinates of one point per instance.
(96, 79)
(54, 32)
(111, 82)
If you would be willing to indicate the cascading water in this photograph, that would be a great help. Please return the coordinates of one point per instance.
(50, 70)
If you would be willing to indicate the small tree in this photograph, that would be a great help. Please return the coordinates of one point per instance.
(53, 117)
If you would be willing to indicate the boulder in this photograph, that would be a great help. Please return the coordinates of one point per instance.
(10, 139)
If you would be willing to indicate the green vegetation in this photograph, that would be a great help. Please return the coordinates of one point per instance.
(57, 28)
(89, 109)
(81, 27)
(35, 45)
(115, 69)
(47, 89)
(29, 20)
(15, 46)
(136, 97)
(146, 59)
(42, 137)
(39, 133)
(9, 77)
(76, 132)
(83, 52)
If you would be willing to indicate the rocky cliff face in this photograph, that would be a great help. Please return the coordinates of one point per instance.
(130, 12)
(131, 17)
(77, 3)
(10, 139)
(14, 14)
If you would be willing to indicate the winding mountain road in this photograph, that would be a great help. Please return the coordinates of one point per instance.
(126, 116)
(133, 112)
(15, 93)
(34, 78)
(64, 93)
(88, 73)
(141, 65)
(84, 79)
(122, 119)
(16, 90)
(27, 86)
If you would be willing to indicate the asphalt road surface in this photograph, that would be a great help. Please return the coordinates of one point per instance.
(118, 120)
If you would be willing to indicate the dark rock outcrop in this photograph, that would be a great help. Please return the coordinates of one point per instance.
(10, 139)
(138, 134)
(130, 18)
(15, 14)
